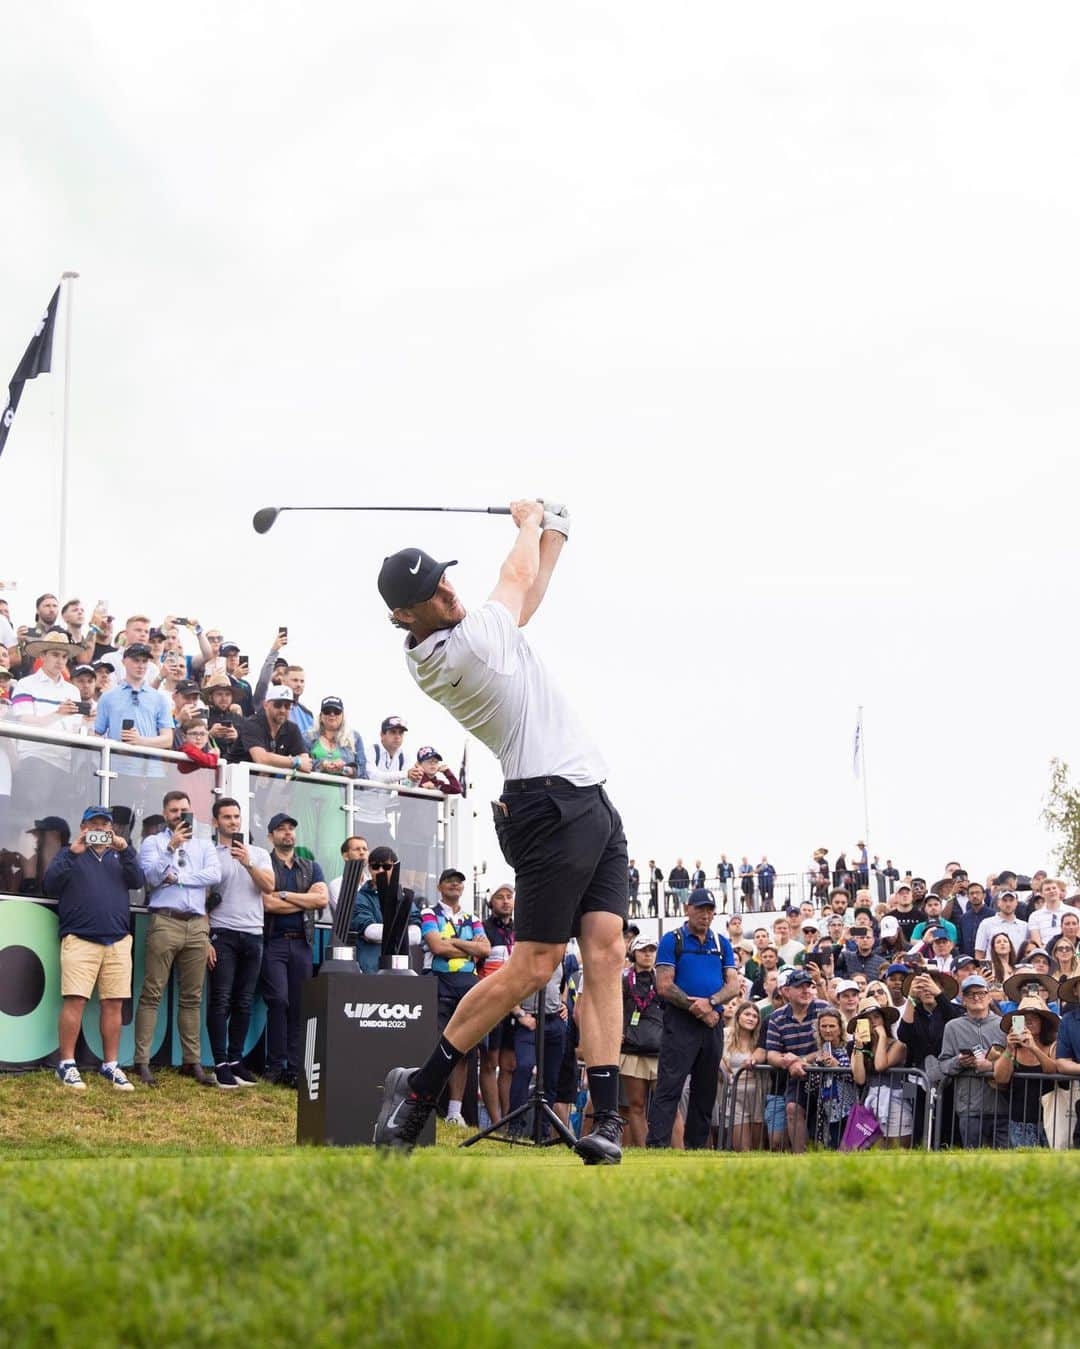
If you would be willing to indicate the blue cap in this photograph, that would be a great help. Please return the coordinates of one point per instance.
(938, 932)
(700, 898)
(897, 968)
(974, 981)
(96, 813)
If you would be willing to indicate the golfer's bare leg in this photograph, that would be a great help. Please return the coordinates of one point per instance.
(600, 1011)
(484, 1006)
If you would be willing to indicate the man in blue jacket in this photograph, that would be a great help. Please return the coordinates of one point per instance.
(367, 919)
(91, 880)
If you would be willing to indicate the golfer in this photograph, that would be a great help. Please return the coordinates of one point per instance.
(555, 824)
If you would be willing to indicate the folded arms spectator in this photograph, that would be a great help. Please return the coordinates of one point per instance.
(271, 739)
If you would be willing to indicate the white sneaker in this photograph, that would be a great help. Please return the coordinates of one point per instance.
(456, 1122)
(69, 1076)
(117, 1077)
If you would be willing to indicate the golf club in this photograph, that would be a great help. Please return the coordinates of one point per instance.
(263, 519)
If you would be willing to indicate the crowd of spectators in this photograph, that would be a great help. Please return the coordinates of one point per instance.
(175, 686)
(847, 1011)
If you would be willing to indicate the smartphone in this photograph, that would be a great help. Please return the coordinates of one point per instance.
(83, 708)
(862, 1031)
(187, 819)
(237, 838)
(1018, 1025)
(127, 724)
(283, 633)
(242, 659)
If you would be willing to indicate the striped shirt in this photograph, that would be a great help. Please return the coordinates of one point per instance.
(785, 1035)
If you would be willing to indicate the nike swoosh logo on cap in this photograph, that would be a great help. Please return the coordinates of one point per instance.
(414, 570)
(455, 682)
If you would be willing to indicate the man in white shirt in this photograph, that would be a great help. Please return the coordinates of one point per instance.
(555, 825)
(387, 762)
(1045, 924)
(46, 699)
(1005, 920)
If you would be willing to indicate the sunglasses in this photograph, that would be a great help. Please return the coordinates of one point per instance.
(382, 866)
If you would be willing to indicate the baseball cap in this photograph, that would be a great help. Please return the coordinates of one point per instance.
(95, 813)
(332, 705)
(51, 824)
(451, 874)
(699, 899)
(974, 981)
(228, 647)
(102, 665)
(276, 821)
(83, 670)
(897, 968)
(643, 943)
(279, 693)
(188, 686)
(137, 649)
(798, 979)
(426, 752)
(890, 926)
(810, 925)
(393, 724)
(902, 886)
(1008, 894)
(410, 576)
(940, 933)
(847, 986)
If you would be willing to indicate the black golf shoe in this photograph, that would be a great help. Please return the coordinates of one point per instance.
(603, 1147)
(403, 1113)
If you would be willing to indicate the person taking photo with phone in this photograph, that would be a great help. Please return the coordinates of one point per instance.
(179, 869)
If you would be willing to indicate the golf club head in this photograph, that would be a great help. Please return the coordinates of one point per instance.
(264, 518)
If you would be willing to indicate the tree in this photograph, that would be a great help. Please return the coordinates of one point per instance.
(1061, 814)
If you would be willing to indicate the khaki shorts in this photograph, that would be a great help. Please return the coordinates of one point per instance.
(638, 1065)
(86, 963)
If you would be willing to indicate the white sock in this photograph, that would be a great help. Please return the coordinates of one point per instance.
(453, 1110)
(67, 1063)
(111, 1064)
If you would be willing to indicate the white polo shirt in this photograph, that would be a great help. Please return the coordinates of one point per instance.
(52, 693)
(1046, 923)
(1017, 932)
(489, 679)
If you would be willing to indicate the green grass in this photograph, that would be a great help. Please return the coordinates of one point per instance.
(223, 1235)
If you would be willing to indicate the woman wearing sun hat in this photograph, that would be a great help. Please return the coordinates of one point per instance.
(870, 1063)
(1027, 1052)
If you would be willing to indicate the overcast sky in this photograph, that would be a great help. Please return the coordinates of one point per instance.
(781, 300)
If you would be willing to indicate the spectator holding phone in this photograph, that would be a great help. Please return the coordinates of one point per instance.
(874, 1052)
(90, 880)
(179, 869)
(234, 955)
(299, 715)
(965, 1057)
(234, 666)
(742, 1052)
(273, 668)
(222, 717)
(133, 713)
(1029, 1050)
(333, 746)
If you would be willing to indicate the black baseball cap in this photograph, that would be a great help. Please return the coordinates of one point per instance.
(452, 874)
(276, 821)
(227, 647)
(332, 705)
(187, 686)
(137, 649)
(83, 670)
(410, 577)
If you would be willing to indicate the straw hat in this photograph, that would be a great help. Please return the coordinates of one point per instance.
(945, 982)
(1033, 1005)
(1014, 986)
(217, 681)
(54, 640)
(868, 1005)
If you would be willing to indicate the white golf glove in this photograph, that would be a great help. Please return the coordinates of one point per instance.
(556, 517)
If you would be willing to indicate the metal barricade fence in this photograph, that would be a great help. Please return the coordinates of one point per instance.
(788, 890)
(765, 1108)
(1036, 1110)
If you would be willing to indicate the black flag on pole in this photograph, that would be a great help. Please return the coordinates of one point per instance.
(36, 361)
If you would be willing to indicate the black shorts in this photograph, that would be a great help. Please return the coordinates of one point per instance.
(452, 988)
(500, 1037)
(568, 851)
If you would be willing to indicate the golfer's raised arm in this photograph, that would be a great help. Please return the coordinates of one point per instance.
(521, 567)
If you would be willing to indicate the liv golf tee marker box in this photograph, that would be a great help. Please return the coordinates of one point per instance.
(353, 1029)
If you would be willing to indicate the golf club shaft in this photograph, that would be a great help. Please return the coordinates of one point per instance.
(458, 510)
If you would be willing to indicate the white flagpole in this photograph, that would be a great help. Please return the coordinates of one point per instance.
(69, 291)
(865, 787)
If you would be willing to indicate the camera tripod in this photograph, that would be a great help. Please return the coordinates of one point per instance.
(536, 1101)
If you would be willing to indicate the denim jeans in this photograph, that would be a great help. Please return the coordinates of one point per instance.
(286, 965)
(1023, 1135)
(232, 987)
